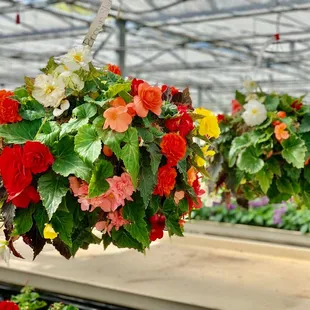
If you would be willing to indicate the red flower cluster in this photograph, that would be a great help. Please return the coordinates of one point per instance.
(158, 223)
(114, 69)
(199, 192)
(8, 108)
(183, 124)
(297, 105)
(172, 89)
(165, 180)
(173, 146)
(220, 117)
(235, 106)
(17, 164)
(135, 86)
(8, 305)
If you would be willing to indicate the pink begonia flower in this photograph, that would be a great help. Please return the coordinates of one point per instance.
(121, 188)
(117, 119)
(114, 219)
(178, 195)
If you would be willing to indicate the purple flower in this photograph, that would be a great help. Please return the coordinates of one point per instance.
(260, 202)
(277, 215)
(231, 207)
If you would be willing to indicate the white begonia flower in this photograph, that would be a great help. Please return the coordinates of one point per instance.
(78, 57)
(48, 90)
(255, 113)
(250, 86)
(64, 106)
(4, 251)
(72, 80)
(61, 69)
(251, 97)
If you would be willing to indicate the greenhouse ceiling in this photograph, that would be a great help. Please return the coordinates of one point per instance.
(210, 45)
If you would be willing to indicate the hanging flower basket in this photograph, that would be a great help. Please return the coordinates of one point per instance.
(84, 149)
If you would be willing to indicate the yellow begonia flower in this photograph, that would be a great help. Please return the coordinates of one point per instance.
(49, 232)
(200, 161)
(209, 124)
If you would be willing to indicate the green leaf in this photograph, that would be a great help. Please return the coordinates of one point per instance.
(41, 218)
(134, 212)
(183, 205)
(32, 110)
(240, 97)
(73, 125)
(145, 134)
(20, 93)
(154, 205)
(237, 145)
(87, 143)
(49, 133)
(249, 162)
(273, 165)
(51, 66)
(63, 224)
(98, 184)
(67, 161)
(182, 168)
(86, 110)
(272, 103)
(305, 124)
(172, 223)
(264, 178)
(169, 207)
(285, 186)
(115, 89)
(21, 132)
(307, 173)
(52, 189)
(113, 139)
(155, 155)
(23, 221)
(131, 155)
(294, 151)
(147, 181)
(123, 239)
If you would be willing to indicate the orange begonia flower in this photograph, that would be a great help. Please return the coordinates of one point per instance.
(117, 118)
(281, 133)
(118, 102)
(149, 99)
(191, 176)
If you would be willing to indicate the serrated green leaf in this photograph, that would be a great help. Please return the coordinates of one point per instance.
(134, 212)
(67, 161)
(73, 125)
(237, 145)
(113, 140)
(274, 166)
(63, 224)
(23, 221)
(49, 133)
(169, 207)
(285, 186)
(98, 184)
(172, 223)
(249, 162)
(115, 89)
(131, 155)
(240, 97)
(182, 168)
(145, 134)
(155, 156)
(154, 205)
(32, 110)
(86, 110)
(123, 239)
(21, 132)
(52, 188)
(87, 143)
(307, 173)
(41, 218)
(183, 205)
(305, 124)
(264, 178)
(294, 151)
(272, 103)
(147, 181)
(51, 66)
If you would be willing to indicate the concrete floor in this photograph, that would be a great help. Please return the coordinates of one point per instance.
(208, 272)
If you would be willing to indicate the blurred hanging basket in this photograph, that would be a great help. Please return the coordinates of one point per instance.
(92, 157)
